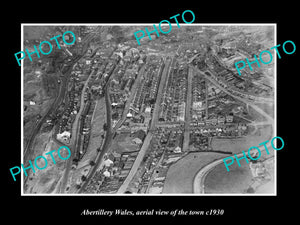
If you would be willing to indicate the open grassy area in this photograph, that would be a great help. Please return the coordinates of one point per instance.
(123, 143)
(180, 175)
(37, 32)
(237, 180)
(219, 180)
(267, 108)
(254, 114)
(44, 181)
(40, 88)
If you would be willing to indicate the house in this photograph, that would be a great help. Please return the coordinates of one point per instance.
(148, 110)
(177, 150)
(229, 118)
(108, 162)
(106, 173)
(221, 119)
(137, 141)
(88, 62)
(116, 155)
(129, 115)
(124, 173)
(260, 171)
(64, 136)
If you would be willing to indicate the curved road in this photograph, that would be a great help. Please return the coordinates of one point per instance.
(198, 185)
(251, 103)
(107, 141)
(257, 99)
(75, 136)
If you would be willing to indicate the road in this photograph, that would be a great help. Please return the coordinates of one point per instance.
(162, 83)
(130, 99)
(187, 120)
(149, 136)
(36, 129)
(251, 103)
(256, 98)
(75, 137)
(198, 183)
(107, 141)
(58, 100)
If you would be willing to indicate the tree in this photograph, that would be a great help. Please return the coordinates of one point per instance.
(92, 163)
(105, 127)
(83, 178)
(250, 190)
(75, 160)
(115, 116)
(152, 101)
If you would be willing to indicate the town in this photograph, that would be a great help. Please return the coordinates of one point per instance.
(134, 116)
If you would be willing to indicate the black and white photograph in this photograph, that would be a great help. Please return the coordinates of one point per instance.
(132, 114)
(157, 115)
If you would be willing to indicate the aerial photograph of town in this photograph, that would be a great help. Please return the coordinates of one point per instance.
(155, 118)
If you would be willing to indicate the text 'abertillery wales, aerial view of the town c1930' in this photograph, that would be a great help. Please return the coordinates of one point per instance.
(156, 118)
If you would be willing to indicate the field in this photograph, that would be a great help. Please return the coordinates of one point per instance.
(180, 175)
(37, 32)
(221, 181)
(269, 110)
(258, 117)
(34, 92)
(45, 181)
(123, 143)
(237, 180)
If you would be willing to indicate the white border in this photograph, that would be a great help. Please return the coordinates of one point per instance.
(149, 24)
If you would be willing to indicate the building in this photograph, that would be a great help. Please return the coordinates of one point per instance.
(229, 119)
(108, 162)
(31, 102)
(106, 173)
(148, 110)
(64, 136)
(137, 141)
(177, 150)
(221, 119)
